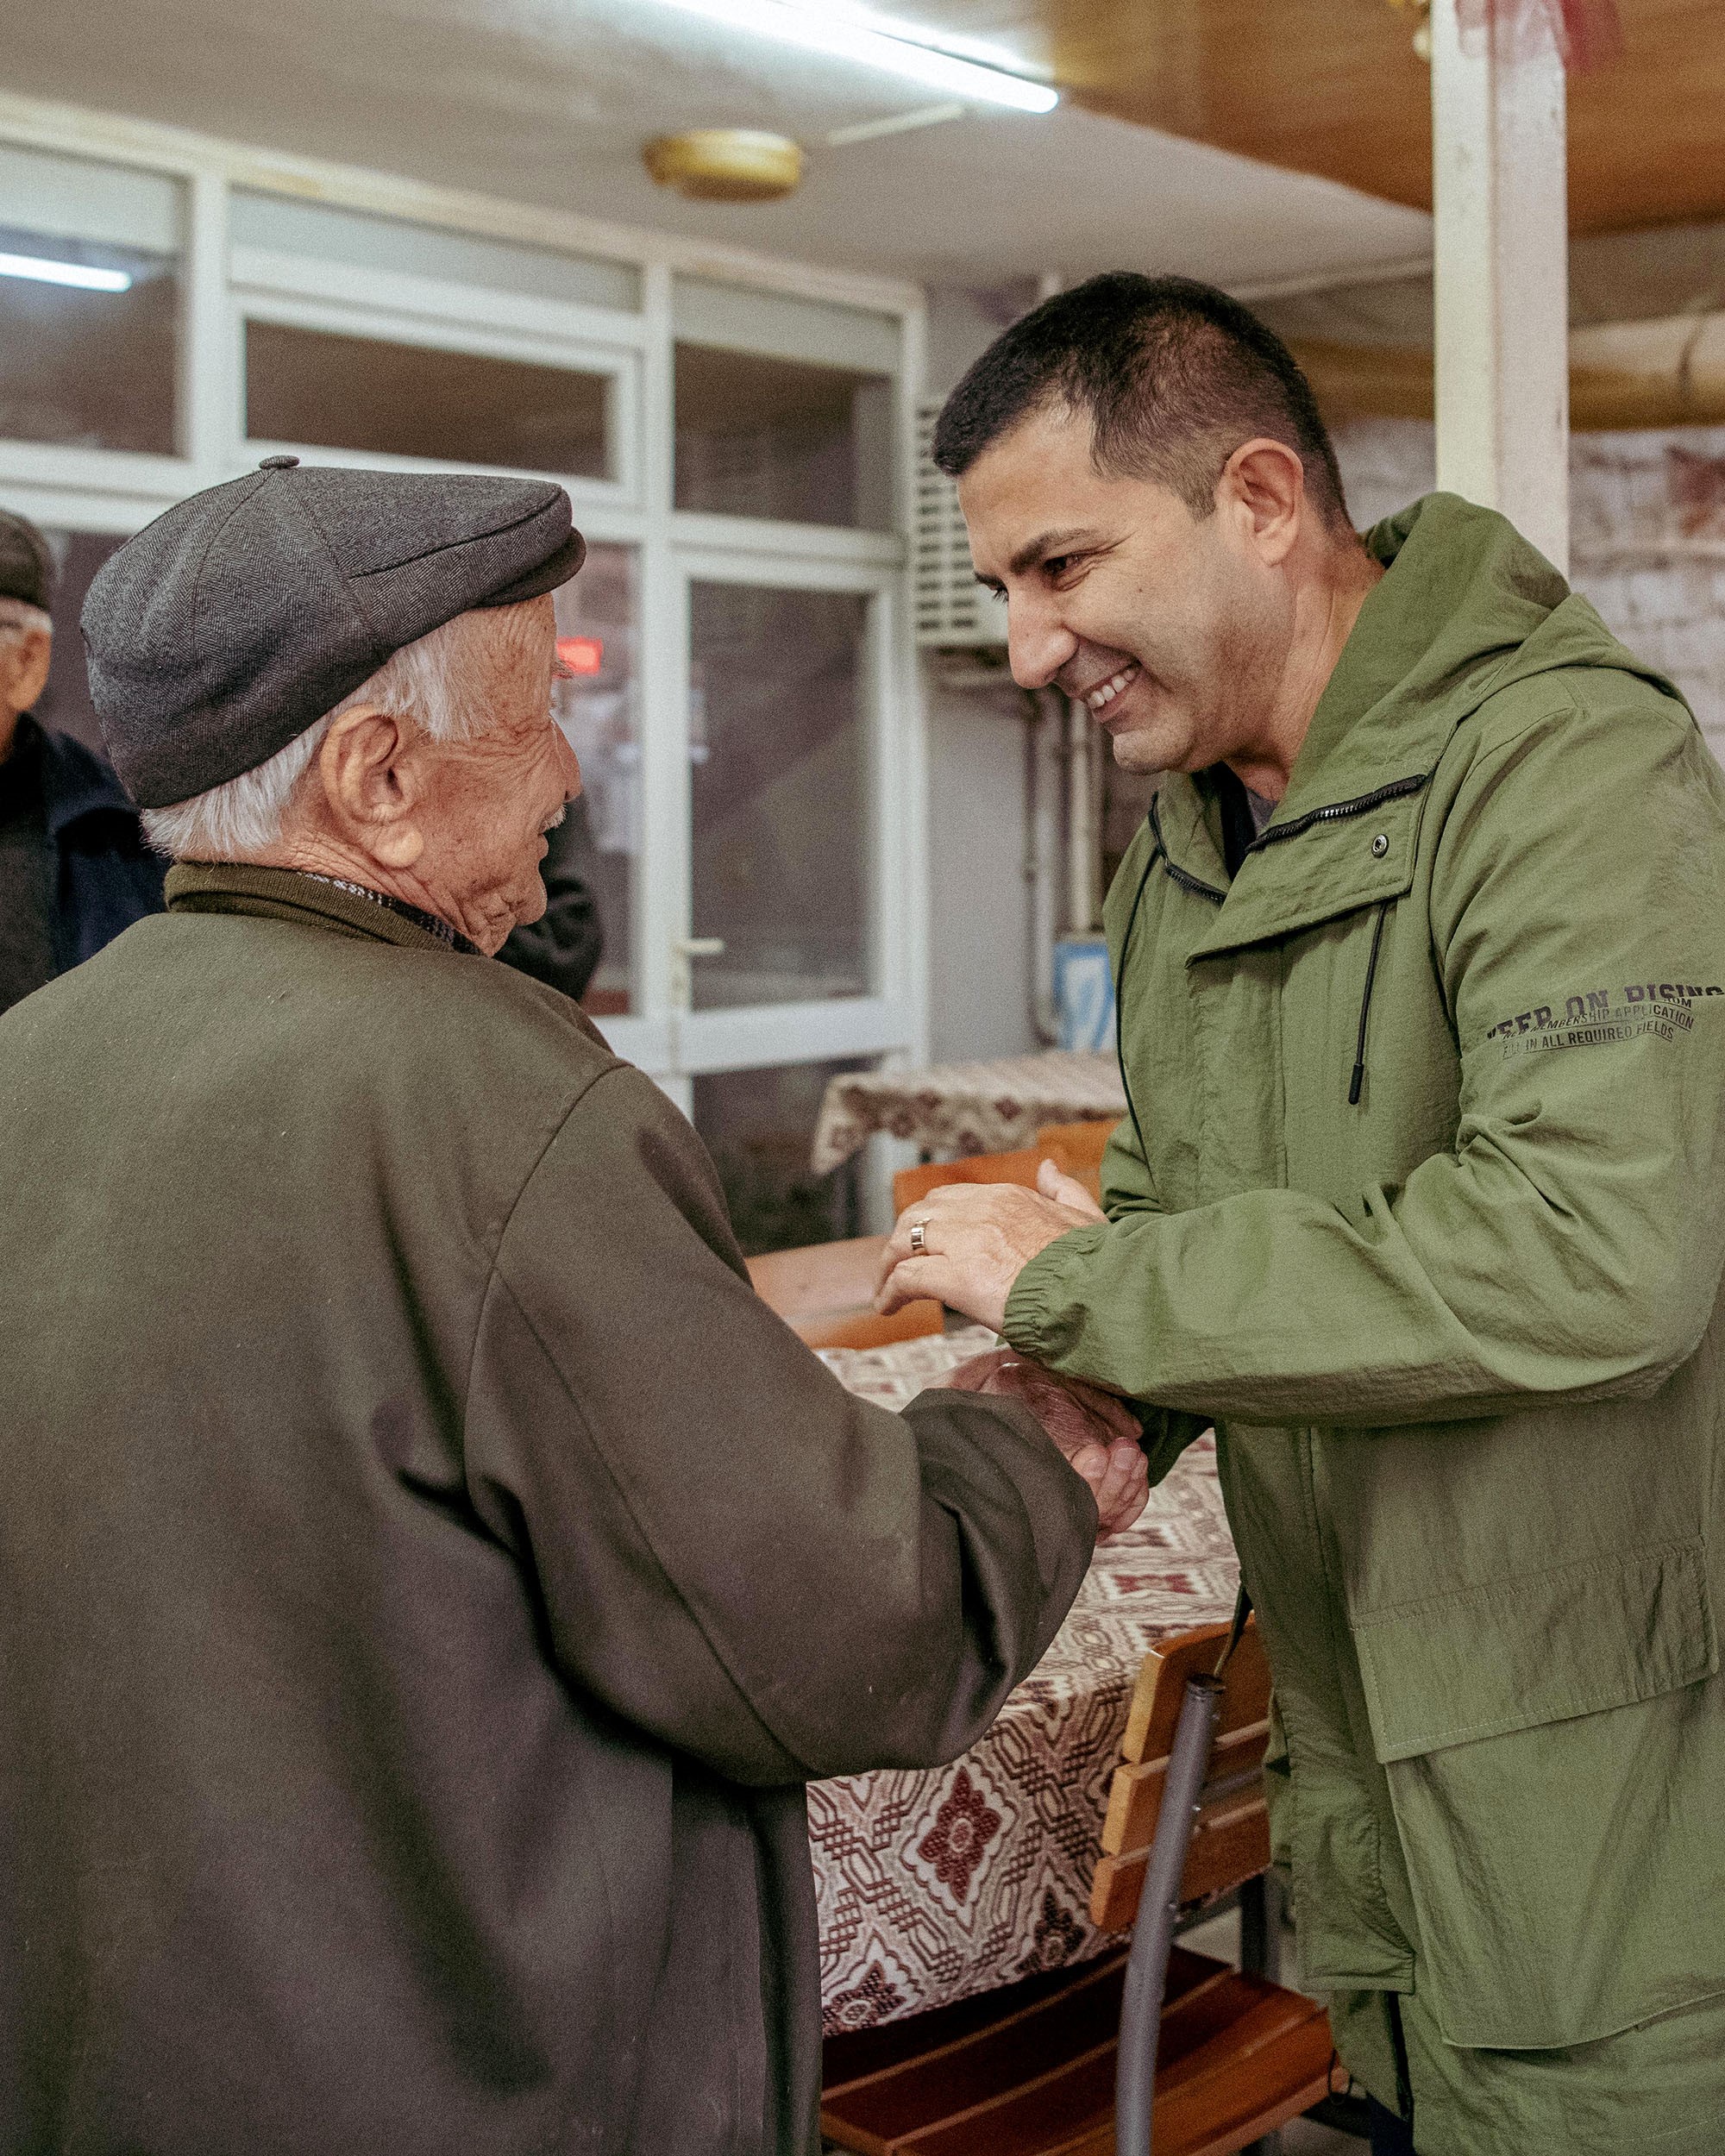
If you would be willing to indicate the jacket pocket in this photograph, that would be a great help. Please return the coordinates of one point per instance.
(1482, 1661)
(1554, 1747)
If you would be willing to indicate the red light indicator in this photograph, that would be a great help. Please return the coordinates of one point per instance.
(582, 654)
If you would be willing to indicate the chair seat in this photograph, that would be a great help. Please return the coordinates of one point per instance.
(1238, 2056)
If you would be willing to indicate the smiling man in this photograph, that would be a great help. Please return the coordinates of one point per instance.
(1420, 962)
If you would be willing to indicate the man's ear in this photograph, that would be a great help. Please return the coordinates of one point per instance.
(24, 662)
(1265, 483)
(370, 764)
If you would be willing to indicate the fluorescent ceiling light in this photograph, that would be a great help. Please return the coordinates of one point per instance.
(877, 41)
(88, 281)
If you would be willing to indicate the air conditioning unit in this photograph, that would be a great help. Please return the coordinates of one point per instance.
(954, 613)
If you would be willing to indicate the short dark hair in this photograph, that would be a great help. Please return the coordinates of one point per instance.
(1175, 376)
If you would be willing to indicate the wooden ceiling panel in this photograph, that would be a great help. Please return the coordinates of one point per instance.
(1334, 87)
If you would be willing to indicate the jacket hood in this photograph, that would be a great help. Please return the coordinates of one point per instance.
(1466, 607)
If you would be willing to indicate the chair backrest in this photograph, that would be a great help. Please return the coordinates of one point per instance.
(1075, 1148)
(911, 1183)
(825, 1293)
(1231, 1836)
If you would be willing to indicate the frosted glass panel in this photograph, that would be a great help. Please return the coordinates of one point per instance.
(599, 709)
(90, 304)
(369, 395)
(780, 794)
(780, 439)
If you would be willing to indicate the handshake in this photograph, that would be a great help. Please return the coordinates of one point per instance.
(965, 1244)
(1098, 1435)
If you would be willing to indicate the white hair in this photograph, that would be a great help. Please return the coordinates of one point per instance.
(440, 683)
(18, 618)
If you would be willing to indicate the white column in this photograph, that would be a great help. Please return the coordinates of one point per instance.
(1502, 273)
(1083, 840)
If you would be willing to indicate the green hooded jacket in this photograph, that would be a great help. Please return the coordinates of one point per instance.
(1419, 1201)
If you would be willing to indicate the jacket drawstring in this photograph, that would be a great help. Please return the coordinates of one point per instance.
(1156, 855)
(1358, 1079)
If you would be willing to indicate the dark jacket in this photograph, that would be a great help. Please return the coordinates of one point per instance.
(564, 947)
(108, 878)
(429, 1573)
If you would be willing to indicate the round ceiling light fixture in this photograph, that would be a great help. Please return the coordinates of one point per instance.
(725, 163)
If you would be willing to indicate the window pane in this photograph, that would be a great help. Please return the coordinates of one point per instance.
(366, 395)
(781, 438)
(759, 1127)
(777, 736)
(284, 225)
(90, 304)
(597, 709)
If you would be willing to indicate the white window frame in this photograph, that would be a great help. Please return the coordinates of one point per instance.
(618, 370)
(751, 1034)
(104, 491)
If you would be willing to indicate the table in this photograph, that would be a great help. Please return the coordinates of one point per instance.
(933, 1885)
(958, 1108)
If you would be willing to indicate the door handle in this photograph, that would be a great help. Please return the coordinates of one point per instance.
(683, 949)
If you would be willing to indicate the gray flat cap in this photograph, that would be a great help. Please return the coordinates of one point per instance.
(239, 617)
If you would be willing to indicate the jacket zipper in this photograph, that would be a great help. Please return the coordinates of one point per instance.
(1156, 855)
(1179, 875)
(1393, 792)
(1361, 804)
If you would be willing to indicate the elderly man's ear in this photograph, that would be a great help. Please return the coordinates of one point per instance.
(373, 768)
(24, 662)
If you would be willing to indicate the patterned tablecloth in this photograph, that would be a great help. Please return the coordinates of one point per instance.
(934, 1885)
(952, 1109)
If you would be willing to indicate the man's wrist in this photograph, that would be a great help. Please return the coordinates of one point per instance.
(1026, 1321)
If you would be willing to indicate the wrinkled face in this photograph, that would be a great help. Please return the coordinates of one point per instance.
(488, 803)
(1167, 625)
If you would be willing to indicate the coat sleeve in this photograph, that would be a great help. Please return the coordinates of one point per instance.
(1569, 1247)
(732, 1553)
(1127, 1189)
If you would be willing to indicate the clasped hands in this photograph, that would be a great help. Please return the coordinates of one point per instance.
(975, 1240)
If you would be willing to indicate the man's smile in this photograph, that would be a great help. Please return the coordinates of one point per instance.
(1104, 693)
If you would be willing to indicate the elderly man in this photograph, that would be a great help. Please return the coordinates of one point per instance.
(428, 1573)
(1420, 960)
(73, 867)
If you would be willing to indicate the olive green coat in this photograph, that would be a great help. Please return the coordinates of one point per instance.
(1421, 1199)
(428, 1572)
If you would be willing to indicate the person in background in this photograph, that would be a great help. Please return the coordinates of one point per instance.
(74, 870)
(429, 1573)
(1420, 956)
(564, 947)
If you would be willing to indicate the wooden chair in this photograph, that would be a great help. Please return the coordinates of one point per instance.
(826, 1293)
(1075, 1148)
(1065, 2064)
